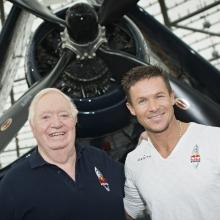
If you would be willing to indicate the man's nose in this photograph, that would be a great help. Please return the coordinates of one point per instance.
(56, 122)
(153, 105)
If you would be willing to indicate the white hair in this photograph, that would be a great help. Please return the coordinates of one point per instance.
(44, 92)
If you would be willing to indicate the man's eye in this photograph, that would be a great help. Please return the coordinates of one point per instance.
(141, 101)
(45, 117)
(65, 115)
(160, 96)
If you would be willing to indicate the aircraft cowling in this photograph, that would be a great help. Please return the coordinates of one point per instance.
(98, 114)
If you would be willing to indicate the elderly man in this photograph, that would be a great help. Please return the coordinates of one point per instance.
(61, 179)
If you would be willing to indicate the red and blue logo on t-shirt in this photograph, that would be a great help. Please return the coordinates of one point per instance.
(102, 179)
(195, 157)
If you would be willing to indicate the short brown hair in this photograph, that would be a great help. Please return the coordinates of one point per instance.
(142, 72)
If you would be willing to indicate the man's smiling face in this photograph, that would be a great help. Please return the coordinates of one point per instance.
(152, 104)
(53, 124)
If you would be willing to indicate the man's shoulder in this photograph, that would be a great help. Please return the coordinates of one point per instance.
(205, 129)
(15, 171)
(141, 149)
(203, 126)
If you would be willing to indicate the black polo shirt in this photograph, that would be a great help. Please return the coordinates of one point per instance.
(34, 189)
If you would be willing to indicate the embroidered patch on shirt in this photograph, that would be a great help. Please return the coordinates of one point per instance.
(102, 179)
(195, 157)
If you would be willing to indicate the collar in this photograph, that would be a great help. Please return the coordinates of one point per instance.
(36, 160)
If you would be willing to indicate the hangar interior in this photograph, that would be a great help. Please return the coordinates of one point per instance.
(196, 22)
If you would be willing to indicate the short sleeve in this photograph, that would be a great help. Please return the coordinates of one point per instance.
(133, 202)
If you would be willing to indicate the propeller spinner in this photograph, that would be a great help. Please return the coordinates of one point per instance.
(82, 23)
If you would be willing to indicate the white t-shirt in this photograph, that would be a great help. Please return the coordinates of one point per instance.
(184, 186)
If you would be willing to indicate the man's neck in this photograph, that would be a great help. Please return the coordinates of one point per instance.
(165, 141)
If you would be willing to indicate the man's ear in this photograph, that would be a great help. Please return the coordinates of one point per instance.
(130, 108)
(30, 123)
(173, 97)
(76, 119)
(32, 127)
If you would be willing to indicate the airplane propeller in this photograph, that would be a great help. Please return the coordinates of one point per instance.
(109, 11)
(39, 10)
(78, 31)
(119, 63)
(113, 10)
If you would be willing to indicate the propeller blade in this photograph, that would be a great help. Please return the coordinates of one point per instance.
(39, 10)
(202, 109)
(112, 10)
(118, 62)
(15, 117)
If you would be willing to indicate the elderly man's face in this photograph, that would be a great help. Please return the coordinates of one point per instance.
(53, 125)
